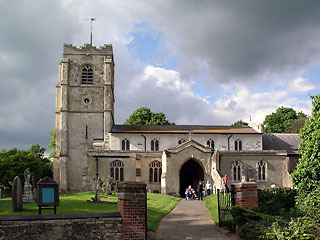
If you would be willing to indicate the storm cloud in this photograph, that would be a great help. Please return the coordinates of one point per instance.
(230, 46)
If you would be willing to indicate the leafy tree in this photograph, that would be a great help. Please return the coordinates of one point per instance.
(52, 143)
(144, 116)
(14, 162)
(240, 123)
(296, 125)
(281, 121)
(306, 177)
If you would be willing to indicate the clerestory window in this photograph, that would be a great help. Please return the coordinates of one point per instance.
(238, 145)
(125, 145)
(210, 143)
(154, 145)
(87, 74)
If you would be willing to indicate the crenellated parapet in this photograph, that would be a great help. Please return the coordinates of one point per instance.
(69, 49)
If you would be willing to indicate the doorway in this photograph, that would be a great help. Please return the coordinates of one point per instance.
(190, 174)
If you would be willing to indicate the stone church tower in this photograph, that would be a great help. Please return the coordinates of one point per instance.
(84, 110)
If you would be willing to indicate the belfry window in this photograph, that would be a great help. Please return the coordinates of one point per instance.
(125, 145)
(236, 171)
(238, 145)
(210, 143)
(261, 170)
(87, 74)
(154, 145)
(117, 170)
(155, 171)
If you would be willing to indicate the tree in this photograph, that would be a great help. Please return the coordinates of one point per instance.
(306, 177)
(240, 123)
(52, 143)
(14, 162)
(296, 125)
(281, 120)
(144, 116)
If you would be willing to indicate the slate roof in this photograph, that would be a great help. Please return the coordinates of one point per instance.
(181, 129)
(281, 141)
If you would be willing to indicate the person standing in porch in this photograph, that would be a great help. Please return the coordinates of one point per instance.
(199, 191)
(208, 188)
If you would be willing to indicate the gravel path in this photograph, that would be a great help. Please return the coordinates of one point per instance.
(189, 220)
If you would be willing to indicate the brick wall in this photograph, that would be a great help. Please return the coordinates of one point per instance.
(246, 195)
(132, 205)
(80, 226)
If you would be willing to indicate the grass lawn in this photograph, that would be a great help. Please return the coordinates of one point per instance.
(158, 205)
(212, 205)
(70, 203)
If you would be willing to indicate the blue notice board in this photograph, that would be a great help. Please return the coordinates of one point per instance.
(48, 195)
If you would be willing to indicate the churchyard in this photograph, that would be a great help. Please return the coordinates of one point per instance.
(76, 203)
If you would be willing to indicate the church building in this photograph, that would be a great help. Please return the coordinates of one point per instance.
(168, 158)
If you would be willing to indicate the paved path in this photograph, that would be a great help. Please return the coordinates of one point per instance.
(190, 220)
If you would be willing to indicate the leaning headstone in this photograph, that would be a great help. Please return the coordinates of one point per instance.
(17, 195)
(27, 190)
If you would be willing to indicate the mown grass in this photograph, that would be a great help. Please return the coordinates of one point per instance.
(212, 205)
(71, 203)
(158, 205)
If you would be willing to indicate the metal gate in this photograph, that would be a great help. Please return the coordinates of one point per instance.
(225, 201)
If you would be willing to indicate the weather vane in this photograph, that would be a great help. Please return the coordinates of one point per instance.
(91, 20)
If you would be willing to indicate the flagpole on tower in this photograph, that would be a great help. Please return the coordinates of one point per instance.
(91, 20)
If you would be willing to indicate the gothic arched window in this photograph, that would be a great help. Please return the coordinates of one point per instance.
(87, 74)
(117, 170)
(154, 145)
(125, 144)
(236, 170)
(238, 145)
(261, 170)
(155, 171)
(210, 143)
(181, 141)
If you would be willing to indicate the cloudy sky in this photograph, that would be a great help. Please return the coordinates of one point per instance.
(199, 62)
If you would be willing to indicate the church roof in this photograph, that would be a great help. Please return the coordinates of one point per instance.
(181, 129)
(281, 141)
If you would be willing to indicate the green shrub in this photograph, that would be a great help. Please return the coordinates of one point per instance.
(310, 204)
(302, 228)
(250, 224)
(276, 201)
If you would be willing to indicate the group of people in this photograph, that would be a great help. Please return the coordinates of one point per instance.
(201, 190)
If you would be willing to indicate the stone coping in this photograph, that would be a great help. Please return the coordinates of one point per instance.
(58, 216)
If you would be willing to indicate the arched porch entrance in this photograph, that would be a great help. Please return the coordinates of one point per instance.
(190, 174)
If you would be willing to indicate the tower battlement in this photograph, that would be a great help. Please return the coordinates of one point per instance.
(69, 49)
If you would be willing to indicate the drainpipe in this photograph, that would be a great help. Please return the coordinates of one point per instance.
(97, 167)
(145, 142)
(229, 141)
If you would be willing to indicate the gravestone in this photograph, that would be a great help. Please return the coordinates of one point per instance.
(27, 190)
(17, 195)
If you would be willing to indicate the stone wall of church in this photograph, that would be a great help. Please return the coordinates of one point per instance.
(175, 161)
(249, 166)
(139, 141)
(84, 111)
